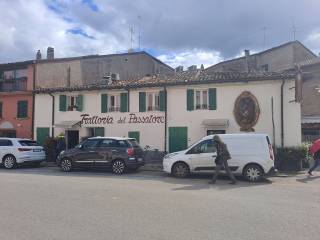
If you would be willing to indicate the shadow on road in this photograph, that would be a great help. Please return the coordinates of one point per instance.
(308, 179)
(194, 182)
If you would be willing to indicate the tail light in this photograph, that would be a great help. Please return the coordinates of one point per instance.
(271, 152)
(130, 151)
(24, 149)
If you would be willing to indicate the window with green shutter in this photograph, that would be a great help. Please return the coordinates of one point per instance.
(104, 103)
(190, 99)
(99, 132)
(142, 101)
(79, 103)
(22, 109)
(62, 103)
(163, 100)
(212, 99)
(123, 102)
(135, 135)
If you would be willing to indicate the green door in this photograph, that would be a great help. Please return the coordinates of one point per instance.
(42, 135)
(135, 135)
(178, 138)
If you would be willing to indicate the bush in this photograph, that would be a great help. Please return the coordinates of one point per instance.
(50, 149)
(292, 158)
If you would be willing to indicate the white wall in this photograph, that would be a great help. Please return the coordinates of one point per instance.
(178, 116)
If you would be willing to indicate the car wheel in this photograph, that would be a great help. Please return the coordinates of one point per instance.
(253, 173)
(180, 170)
(9, 162)
(66, 165)
(118, 167)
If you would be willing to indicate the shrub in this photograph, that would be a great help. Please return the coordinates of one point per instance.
(50, 149)
(292, 158)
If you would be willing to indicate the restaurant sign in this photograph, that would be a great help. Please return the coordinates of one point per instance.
(131, 118)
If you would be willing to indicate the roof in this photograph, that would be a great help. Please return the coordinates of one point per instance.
(115, 138)
(185, 78)
(16, 65)
(264, 52)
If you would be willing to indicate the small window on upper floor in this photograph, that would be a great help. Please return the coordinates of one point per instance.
(201, 99)
(153, 101)
(265, 67)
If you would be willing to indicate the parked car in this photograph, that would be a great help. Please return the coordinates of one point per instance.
(15, 151)
(119, 154)
(251, 156)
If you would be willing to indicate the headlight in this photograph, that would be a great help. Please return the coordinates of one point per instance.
(62, 152)
(170, 155)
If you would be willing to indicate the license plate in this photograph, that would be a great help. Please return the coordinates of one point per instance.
(140, 159)
(37, 150)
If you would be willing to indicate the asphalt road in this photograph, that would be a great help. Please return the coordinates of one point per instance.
(46, 204)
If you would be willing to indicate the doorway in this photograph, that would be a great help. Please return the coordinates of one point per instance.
(178, 138)
(72, 138)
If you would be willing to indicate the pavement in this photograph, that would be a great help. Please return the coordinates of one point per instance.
(47, 204)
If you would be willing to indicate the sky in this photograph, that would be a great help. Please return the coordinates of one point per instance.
(179, 32)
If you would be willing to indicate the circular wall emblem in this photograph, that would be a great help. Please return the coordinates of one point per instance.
(246, 111)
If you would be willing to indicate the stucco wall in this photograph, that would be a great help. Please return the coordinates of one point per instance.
(178, 116)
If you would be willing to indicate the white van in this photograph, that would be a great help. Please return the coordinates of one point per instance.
(251, 156)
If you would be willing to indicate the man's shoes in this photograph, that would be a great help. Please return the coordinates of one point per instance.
(233, 182)
(310, 173)
(212, 182)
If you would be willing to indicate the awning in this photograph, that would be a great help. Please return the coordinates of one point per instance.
(67, 124)
(216, 123)
(310, 119)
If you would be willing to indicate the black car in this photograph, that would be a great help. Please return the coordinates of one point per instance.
(119, 154)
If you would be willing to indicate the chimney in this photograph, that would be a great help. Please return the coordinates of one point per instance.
(38, 55)
(192, 68)
(179, 69)
(50, 53)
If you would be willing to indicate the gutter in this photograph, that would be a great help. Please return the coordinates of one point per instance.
(52, 115)
(33, 98)
(281, 109)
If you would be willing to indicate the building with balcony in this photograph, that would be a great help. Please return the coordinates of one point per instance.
(16, 99)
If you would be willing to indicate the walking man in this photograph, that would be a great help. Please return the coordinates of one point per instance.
(222, 158)
(316, 157)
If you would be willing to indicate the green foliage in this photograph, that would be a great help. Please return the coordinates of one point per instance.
(292, 158)
(50, 149)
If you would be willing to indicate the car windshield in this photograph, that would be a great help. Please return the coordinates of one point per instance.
(28, 143)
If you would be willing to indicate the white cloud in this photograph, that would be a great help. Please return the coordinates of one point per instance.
(191, 57)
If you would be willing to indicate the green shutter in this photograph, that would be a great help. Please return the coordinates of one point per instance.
(123, 102)
(190, 99)
(104, 103)
(79, 103)
(178, 138)
(142, 102)
(99, 132)
(212, 98)
(42, 135)
(62, 103)
(163, 100)
(135, 135)
(22, 109)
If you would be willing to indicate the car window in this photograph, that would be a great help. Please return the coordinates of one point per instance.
(134, 143)
(28, 143)
(5, 142)
(108, 143)
(90, 143)
(206, 146)
(123, 143)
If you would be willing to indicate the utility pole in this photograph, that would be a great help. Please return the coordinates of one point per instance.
(294, 30)
(131, 38)
(139, 28)
(264, 29)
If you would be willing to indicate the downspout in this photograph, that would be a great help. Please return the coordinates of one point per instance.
(128, 100)
(33, 98)
(282, 121)
(52, 115)
(273, 126)
(165, 118)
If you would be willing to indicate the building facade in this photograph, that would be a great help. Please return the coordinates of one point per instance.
(16, 99)
(173, 112)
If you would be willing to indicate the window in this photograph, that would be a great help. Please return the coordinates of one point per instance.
(123, 143)
(212, 132)
(201, 99)
(153, 102)
(0, 109)
(5, 143)
(28, 143)
(206, 146)
(265, 67)
(22, 109)
(114, 103)
(108, 143)
(71, 103)
(90, 143)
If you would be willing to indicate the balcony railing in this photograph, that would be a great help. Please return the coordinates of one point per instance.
(10, 85)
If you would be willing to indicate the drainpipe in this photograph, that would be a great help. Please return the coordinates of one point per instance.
(282, 122)
(52, 116)
(165, 118)
(33, 98)
(128, 100)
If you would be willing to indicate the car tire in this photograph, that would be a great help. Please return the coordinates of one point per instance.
(180, 170)
(66, 165)
(253, 173)
(9, 162)
(118, 167)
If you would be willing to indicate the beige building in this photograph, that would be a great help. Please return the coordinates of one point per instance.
(173, 112)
